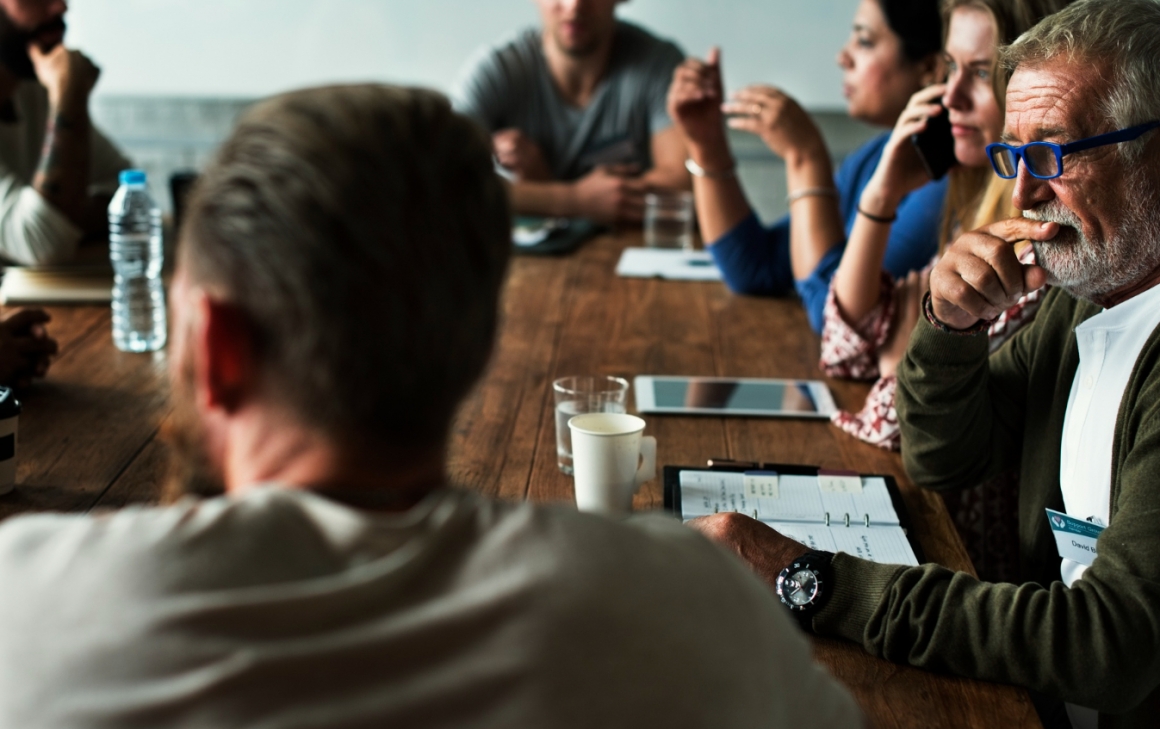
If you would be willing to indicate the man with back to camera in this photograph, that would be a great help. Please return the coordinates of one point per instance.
(1072, 401)
(57, 171)
(335, 298)
(577, 112)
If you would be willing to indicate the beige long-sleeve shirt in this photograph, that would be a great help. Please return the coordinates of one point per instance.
(283, 609)
(32, 231)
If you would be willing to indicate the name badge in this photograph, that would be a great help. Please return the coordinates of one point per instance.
(1074, 538)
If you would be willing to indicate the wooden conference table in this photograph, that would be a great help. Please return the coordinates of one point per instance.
(89, 433)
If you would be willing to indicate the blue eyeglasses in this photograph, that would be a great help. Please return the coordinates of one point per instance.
(1044, 160)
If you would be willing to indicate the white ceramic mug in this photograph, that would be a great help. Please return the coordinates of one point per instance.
(611, 459)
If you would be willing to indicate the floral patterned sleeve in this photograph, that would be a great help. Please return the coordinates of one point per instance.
(877, 423)
(850, 351)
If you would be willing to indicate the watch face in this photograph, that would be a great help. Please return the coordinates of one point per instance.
(800, 588)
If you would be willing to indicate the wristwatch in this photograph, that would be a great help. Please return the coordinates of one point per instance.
(804, 585)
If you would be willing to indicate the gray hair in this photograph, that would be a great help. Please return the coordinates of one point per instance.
(363, 234)
(1122, 37)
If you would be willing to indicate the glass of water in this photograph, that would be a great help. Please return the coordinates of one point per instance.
(668, 220)
(584, 394)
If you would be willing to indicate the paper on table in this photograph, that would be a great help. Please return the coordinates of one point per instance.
(799, 499)
(668, 263)
(78, 284)
(883, 545)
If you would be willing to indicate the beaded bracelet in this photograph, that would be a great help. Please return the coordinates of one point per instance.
(981, 325)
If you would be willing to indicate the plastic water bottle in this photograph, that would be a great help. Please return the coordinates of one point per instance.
(136, 252)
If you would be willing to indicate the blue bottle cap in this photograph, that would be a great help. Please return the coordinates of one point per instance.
(9, 405)
(132, 177)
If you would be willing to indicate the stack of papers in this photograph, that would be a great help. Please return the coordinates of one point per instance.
(667, 263)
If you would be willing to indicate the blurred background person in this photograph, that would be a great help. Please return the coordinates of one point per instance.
(577, 112)
(893, 51)
(57, 171)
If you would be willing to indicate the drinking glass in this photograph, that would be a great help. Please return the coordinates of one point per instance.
(668, 220)
(584, 394)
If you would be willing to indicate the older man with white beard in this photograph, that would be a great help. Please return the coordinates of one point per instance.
(1072, 401)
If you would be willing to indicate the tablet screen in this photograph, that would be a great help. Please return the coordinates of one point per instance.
(725, 395)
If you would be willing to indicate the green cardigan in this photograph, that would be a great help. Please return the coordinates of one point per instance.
(966, 417)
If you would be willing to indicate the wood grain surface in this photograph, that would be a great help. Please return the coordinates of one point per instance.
(89, 434)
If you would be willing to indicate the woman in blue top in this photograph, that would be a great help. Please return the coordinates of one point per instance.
(893, 51)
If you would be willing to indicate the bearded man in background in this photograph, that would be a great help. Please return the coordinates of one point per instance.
(57, 171)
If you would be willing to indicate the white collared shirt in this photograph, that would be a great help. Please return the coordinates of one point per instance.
(1109, 344)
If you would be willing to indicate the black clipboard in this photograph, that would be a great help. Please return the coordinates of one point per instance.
(672, 489)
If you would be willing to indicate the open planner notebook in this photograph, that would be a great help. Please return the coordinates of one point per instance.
(832, 511)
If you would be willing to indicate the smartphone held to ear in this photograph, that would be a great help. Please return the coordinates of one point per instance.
(936, 145)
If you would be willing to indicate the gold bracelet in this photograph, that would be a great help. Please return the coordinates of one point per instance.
(810, 192)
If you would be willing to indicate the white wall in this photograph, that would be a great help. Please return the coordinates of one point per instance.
(257, 47)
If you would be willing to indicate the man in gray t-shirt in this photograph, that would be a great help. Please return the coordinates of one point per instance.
(335, 581)
(577, 112)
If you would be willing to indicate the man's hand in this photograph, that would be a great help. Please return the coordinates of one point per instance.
(68, 76)
(611, 194)
(765, 550)
(63, 172)
(980, 276)
(517, 152)
(25, 347)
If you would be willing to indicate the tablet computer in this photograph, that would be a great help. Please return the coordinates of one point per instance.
(733, 396)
